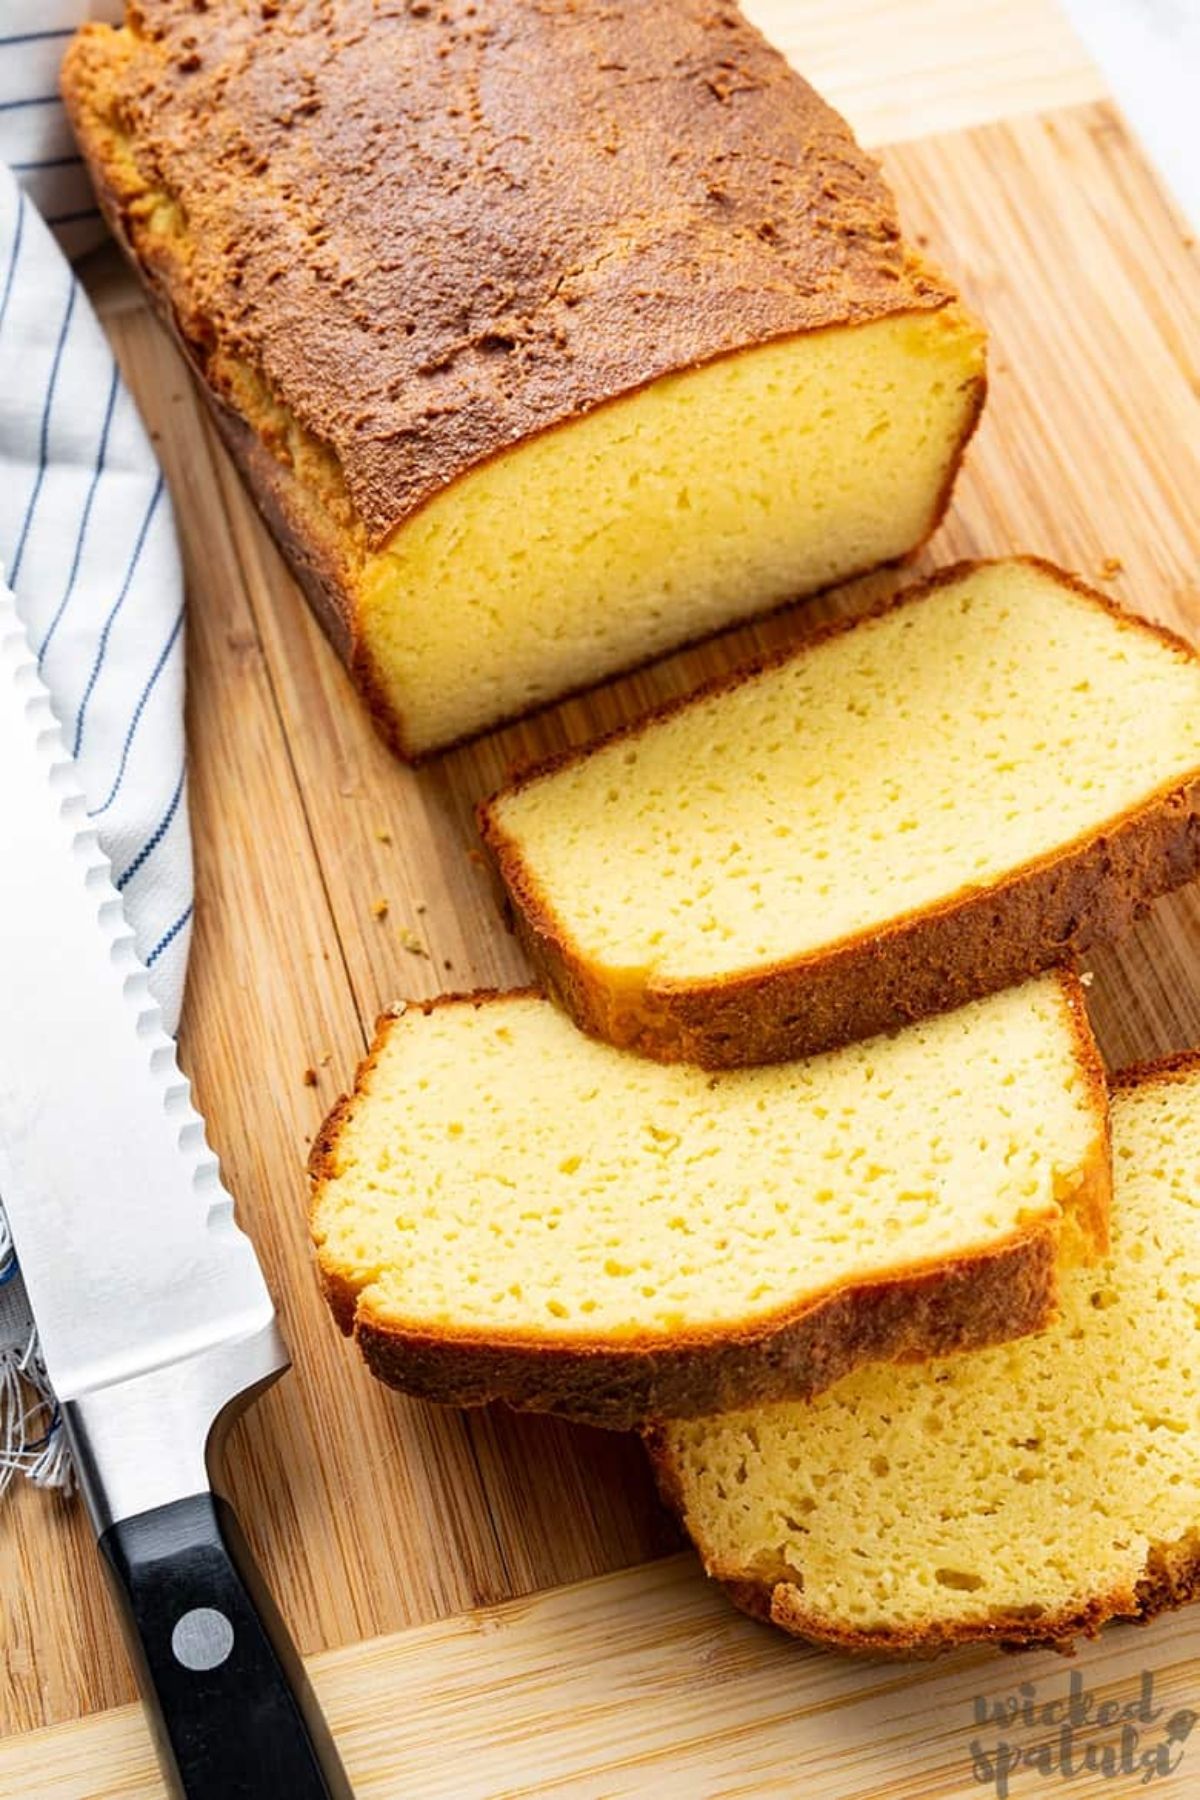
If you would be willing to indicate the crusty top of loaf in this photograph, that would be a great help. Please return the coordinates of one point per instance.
(439, 226)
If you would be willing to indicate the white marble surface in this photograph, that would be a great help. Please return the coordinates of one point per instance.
(1149, 51)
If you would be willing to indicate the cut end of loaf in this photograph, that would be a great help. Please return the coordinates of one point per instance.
(520, 1212)
(1022, 1494)
(704, 499)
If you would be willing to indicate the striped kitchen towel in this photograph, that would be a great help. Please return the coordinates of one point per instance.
(87, 546)
(35, 138)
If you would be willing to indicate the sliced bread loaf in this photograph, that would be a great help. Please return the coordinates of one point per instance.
(505, 1208)
(1022, 1494)
(547, 337)
(970, 785)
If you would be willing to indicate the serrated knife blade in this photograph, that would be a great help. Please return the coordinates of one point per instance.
(125, 1233)
(153, 1313)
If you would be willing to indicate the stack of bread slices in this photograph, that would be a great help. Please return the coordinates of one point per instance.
(804, 1161)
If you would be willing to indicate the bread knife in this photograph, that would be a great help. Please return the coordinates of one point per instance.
(154, 1317)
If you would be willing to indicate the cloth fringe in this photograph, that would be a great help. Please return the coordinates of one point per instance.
(32, 1440)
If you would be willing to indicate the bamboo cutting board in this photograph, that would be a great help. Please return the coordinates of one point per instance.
(646, 1684)
(403, 1542)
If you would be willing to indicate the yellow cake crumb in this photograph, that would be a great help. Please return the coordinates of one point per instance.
(938, 747)
(493, 1147)
(992, 1493)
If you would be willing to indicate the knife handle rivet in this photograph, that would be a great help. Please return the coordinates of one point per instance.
(202, 1639)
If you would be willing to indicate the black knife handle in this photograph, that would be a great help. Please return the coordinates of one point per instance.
(227, 1696)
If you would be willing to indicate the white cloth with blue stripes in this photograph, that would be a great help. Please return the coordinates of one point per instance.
(87, 545)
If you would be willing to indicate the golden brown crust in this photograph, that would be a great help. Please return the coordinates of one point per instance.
(1091, 1205)
(674, 193)
(1178, 1065)
(1171, 1579)
(313, 552)
(315, 549)
(965, 1303)
(673, 249)
(974, 943)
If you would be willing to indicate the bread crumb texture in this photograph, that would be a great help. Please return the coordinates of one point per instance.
(500, 1174)
(931, 750)
(704, 499)
(1019, 1492)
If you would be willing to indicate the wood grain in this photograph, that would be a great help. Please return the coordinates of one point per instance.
(901, 69)
(648, 1683)
(372, 1514)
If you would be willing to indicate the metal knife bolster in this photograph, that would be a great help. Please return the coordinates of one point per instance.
(156, 1438)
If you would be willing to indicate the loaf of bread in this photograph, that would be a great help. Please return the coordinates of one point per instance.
(976, 782)
(547, 336)
(1019, 1495)
(507, 1209)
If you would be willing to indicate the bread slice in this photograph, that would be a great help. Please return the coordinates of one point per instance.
(535, 386)
(1019, 1495)
(980, 779)
(506, 1209)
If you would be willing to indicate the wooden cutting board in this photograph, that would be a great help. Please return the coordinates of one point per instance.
(404, 1542)
(646, 1683)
